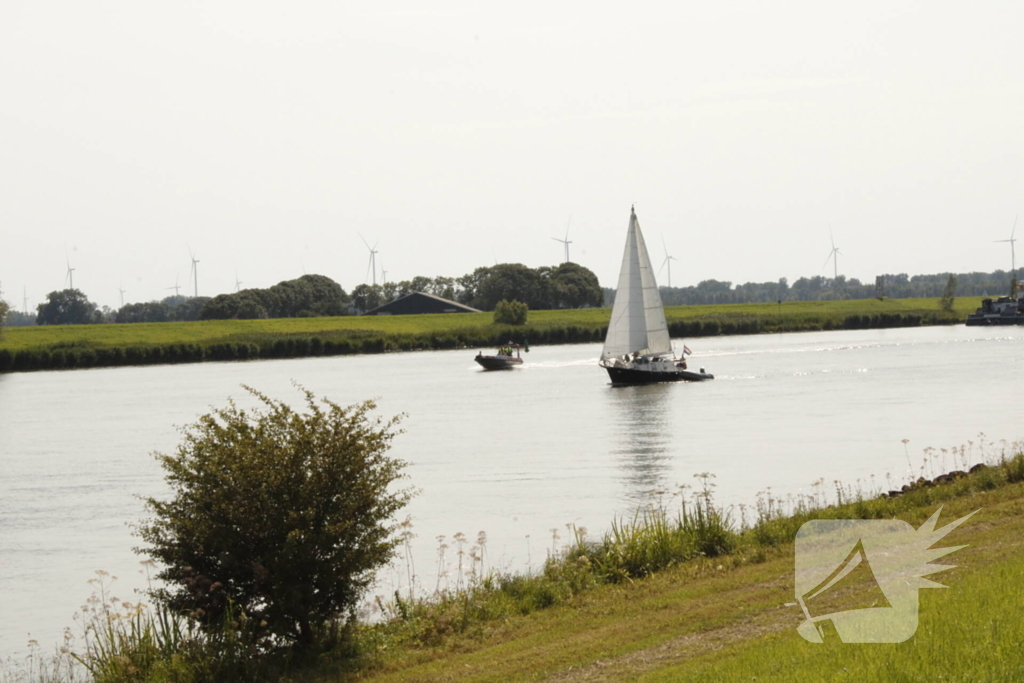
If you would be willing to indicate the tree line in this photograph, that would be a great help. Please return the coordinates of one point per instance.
(304, 297)
(819, 288)
(568, 285)
(72, 307)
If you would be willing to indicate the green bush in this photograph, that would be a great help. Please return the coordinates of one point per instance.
(510, 313)
(282, 516)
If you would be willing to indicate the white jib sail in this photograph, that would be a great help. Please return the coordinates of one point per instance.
(638, 318)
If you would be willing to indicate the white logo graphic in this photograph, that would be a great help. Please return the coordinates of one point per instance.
(860, 577)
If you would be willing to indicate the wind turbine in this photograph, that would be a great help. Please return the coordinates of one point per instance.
(176, 287)
(121, 289)
(24, 300)
(1013, 255)
(70, 276)
(832, 255)
(238, 283)
(383, 275)
(565, 241)
(194, 272)
(667, 262)
(373, 258)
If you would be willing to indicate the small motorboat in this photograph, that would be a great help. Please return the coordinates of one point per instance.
(506, 358)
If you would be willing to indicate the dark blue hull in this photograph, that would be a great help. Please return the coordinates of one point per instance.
(628, 376)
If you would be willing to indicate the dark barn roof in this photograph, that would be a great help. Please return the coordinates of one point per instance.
(420, 302)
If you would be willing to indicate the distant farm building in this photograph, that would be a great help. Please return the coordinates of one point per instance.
(416, 303)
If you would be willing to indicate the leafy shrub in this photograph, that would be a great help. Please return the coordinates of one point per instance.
(510, 313)
(282, 516)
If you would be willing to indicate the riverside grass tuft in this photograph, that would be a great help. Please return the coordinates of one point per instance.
(699, 538)
(86, 346)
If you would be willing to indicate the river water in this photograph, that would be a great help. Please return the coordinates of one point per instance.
(514, 454)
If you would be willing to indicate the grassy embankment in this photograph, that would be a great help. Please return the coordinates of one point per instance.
(662, 599)
(78, 346)
(726, 618)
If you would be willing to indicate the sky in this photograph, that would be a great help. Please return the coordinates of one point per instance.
(271, 138)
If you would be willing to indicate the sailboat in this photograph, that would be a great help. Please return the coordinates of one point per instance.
(637, 349)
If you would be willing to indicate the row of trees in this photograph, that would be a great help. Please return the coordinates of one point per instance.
(170, 309)
(568, 285)
(72, 307)
(997, 283)
(16, 318)
(819, 288)
(307, 296)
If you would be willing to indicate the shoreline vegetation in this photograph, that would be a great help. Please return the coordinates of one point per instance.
(687, 590)
(87, 346)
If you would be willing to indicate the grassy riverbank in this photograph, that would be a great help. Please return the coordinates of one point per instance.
(81, 346)
(726, 618)
(687, 594)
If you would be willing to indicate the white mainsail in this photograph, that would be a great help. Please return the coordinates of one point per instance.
(638, 318)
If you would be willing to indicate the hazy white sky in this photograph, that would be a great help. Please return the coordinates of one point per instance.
(267, 135)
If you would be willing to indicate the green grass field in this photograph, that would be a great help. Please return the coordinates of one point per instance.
(471, 326)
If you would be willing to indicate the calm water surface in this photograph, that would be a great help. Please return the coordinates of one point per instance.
(515, 454)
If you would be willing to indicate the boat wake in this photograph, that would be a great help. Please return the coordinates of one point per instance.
(551, 364)
(840, 347)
